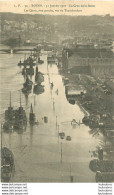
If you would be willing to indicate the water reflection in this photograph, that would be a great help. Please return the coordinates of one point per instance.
(27, 86)
(31, 135)
(26, 99)
(38, 89)
(37, 150)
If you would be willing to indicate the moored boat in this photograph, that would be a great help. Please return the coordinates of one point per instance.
(52, 58)
(101, 165)
(7, 164)
(20, 118)
(38, 89)
(39, 78)
(104, 176)
(28, 62)
(40, 61)
(9, 118)
(27, 86)
(86, 120)
(28, 71)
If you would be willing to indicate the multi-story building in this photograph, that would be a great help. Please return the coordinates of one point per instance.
(99, 62)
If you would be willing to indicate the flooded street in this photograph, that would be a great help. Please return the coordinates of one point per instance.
(40, 155)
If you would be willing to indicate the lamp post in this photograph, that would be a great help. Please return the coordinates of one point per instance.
(61, 152)
(56, 121)
(53, 104)
(62, 135)
(61, 149)
(71, 176)
(58, 133)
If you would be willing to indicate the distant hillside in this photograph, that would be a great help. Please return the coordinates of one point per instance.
(73, 22)
(57, 26)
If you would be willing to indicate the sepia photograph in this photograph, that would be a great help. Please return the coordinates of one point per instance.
(56, 94)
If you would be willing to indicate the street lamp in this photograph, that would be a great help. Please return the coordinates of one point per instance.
(71, 176)
(62, 135)
(58, 132)
(56, 121)
(61, 152)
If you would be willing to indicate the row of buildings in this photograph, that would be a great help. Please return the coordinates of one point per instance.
(99, 62)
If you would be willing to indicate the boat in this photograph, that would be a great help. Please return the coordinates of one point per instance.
(71, 101)
(62, 135)
(8, 126)
(31, 116)
(7, 164)
(24, 71)
(20, 63)
(9, 114)
(9, 118)
(104, 176)
(27, 86)
(51, 59)
(86, 120)
(39, 78)
(68, 138)
(31, 70)
(24, 63)
(20, 118)
(38, 89)
(40, 61)
(28, 83)
(28, 62)
(28, 71)
(15, 119)
(101, 165)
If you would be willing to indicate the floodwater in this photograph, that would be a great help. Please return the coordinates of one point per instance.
(40, 155)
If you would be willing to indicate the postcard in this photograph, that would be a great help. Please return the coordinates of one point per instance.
(57, 91)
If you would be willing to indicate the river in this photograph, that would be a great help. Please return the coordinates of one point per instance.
(38, 150)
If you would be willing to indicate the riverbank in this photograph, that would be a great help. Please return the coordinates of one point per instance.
(96, 102)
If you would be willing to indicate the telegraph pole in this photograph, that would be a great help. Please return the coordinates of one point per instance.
(56, 121)
(61, 153)
(71, 176)
(58, 133)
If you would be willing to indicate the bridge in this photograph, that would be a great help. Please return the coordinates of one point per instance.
(15, 50)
